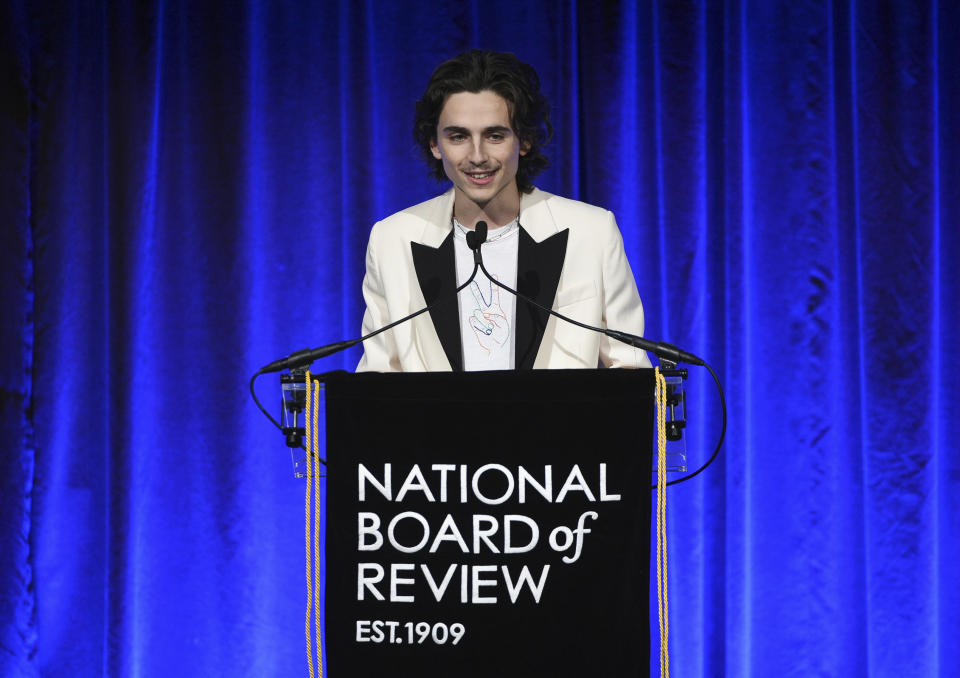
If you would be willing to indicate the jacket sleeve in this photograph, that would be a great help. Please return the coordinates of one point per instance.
(622, 308)
(379, 352)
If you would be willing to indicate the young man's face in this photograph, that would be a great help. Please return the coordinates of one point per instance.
(478, 147)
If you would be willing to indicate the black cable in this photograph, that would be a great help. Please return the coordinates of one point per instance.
(253, 393)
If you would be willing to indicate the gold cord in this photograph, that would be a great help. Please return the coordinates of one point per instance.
(306, 416)
(660, 396)
(316, 525)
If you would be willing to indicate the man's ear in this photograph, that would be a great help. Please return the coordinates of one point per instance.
(524, 147)
(435, 149)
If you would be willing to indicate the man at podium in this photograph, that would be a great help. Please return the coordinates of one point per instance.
(481, 124)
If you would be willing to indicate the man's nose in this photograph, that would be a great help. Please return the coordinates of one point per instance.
(478, 154)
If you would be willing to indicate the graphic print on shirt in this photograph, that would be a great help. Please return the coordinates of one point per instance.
(488, 320)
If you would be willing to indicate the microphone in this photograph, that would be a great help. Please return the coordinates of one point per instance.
(308, 355)
(664, 351)
(475, 238)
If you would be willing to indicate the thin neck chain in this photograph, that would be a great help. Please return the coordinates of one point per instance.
(497, 234)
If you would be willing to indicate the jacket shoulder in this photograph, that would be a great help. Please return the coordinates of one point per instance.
(425, 211)
(577, 215)
(423, 221)
(558, 202)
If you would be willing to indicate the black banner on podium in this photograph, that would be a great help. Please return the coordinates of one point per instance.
(488, 524)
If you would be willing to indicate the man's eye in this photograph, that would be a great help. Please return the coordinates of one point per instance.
(497, 136)
(457, 137)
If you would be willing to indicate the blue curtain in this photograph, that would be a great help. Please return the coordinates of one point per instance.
(186, 194)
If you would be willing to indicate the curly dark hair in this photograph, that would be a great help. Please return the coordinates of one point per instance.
(504, 74)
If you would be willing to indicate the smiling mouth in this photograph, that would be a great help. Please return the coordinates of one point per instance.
(481, 177)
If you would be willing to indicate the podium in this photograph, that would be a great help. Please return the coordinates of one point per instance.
(488, 523)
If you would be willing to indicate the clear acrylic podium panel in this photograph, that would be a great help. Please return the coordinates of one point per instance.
(676, 455)
(294, 403)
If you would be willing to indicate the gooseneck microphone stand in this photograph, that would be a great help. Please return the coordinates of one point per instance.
(668, 354)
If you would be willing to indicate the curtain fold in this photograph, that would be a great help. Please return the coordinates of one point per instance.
(18, 634)
(187, 193)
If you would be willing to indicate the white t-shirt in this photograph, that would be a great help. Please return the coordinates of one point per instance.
(487, 312)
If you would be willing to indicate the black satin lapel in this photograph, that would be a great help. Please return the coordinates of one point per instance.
(437, 274)
(538, 274)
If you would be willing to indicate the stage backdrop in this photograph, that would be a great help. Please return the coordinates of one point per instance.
(186, 193)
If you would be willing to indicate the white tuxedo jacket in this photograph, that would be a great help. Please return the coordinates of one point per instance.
(570, 255)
